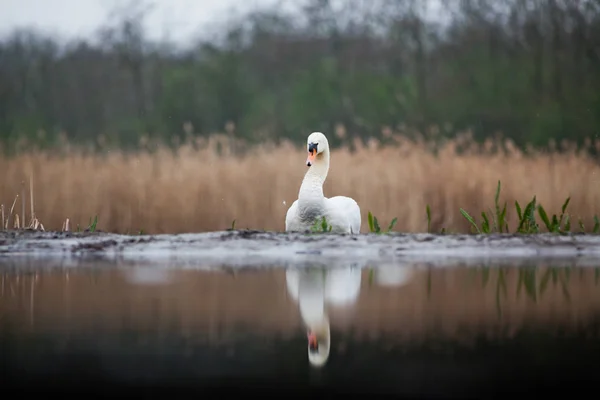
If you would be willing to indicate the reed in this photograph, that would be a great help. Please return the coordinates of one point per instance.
(205, 184)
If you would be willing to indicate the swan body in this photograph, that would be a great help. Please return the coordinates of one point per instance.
(341, 213)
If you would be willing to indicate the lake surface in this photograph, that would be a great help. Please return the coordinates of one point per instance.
(410, 329)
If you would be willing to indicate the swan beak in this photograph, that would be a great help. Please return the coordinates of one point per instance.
(313, 343)
(311, 157)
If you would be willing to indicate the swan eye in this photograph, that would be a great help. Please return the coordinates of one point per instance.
(313, 147)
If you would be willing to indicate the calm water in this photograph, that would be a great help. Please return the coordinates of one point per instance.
(409, 330)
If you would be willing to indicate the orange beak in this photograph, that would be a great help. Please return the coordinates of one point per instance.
(312, 340)
(312, 154)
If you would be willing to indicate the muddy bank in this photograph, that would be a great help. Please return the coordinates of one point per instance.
(259, 248)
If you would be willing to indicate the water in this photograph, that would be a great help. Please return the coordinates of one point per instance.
(409, 329)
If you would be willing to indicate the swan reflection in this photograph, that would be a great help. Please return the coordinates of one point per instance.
(312, 288)
(147, 275)
(395, 275)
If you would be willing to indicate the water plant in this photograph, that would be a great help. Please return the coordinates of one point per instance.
(428, 212)
(374, 224)
(527, 223)
(93, 223)
(499, 223)
(321, 226)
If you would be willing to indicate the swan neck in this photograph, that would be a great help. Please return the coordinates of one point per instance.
(312, 184)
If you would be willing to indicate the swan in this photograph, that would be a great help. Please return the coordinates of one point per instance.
(341, 213)
(311, 288)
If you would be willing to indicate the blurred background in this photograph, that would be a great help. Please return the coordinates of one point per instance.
(179, 116)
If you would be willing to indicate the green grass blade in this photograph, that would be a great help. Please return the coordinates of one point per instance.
(497, 197)
(564, 206)
(494, 221)
(555, 223)
(324, 224)
(392, 224)
(502, 219)
(544, 218)
(376, 224)
(370, 220)
(470, 219)
(596, 224)
(567, 223)
(562, 214)
(92, 226)
(529, 216)
(520, 215)
(485, 226)
(497, 204)
(428, 211)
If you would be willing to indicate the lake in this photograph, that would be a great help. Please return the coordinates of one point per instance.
(410, 329)
(475, 328)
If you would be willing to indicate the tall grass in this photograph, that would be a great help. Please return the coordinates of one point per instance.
(203, 185)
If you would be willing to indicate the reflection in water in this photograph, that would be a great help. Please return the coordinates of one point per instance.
(141, 275)
(391, 326)
(311, 288)
(393, 275)
(316, 288)
(531, 282)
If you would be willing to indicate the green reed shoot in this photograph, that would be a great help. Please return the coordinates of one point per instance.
(374, 224)
(527, 223)
(495, 222)
(92, 225)
(428, 211)
(321, 226)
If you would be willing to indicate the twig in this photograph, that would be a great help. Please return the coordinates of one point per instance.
(31, 197)
(11, 210)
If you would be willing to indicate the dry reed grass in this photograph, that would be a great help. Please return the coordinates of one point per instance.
(203, 186)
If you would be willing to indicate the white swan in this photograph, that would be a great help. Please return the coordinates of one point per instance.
(341, 213)
(311, 288)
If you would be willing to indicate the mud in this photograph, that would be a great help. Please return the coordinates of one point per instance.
(247, 248)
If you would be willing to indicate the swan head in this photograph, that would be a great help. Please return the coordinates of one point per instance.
(316, 144)
(319, 341)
